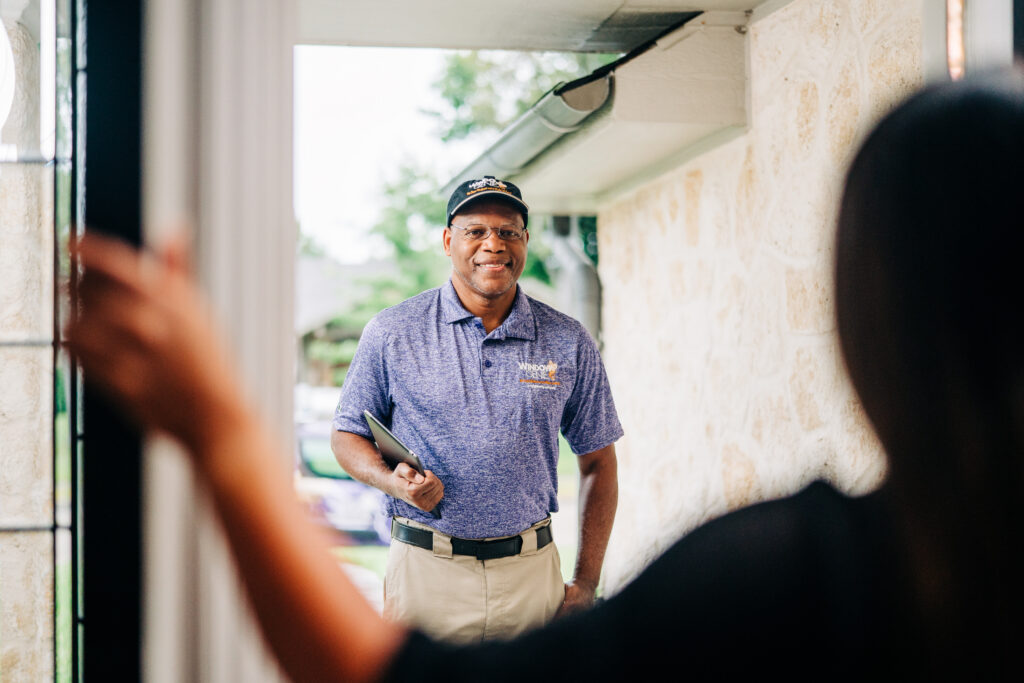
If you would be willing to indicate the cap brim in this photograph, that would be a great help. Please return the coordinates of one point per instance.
(494, 195)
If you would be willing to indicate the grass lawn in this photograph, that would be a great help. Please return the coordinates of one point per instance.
(373, 557)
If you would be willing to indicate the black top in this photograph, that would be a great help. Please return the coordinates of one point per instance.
(802, 586)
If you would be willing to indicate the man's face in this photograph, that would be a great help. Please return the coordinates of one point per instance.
(490, 266)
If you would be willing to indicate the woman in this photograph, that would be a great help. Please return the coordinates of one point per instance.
(817, 584)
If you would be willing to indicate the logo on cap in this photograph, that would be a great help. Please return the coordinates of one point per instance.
(487, 181)
(488, 185)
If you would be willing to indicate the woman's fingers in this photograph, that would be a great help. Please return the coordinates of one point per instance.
(143, 333)
(175, 252)
(109, 261)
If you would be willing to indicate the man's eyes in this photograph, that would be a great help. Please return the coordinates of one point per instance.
(479, 234)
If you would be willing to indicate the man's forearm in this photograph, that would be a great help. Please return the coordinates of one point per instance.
(359, 457)
(598, 499)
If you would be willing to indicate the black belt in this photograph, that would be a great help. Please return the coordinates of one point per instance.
(482, 550)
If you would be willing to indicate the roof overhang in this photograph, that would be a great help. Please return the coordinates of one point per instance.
(675, 99)
(561, 25)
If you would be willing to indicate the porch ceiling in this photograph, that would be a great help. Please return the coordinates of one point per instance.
(564, 25)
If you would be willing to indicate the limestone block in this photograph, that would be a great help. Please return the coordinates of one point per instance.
(859, 466)
(896, 43)
(26, 256)
(816, 379)
(739, 477)
(844, 113)
(809, 299)
(26, 429)
(26, 607)
(763, 336)
(691, 193)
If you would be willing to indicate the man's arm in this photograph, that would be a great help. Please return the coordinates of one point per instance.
(599, 496)
(359, 457)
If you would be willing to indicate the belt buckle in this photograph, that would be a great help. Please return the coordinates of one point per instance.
(494, 550)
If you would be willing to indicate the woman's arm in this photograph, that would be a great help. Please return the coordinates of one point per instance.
(145, 336)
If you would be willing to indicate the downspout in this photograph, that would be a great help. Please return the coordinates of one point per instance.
(577, 280)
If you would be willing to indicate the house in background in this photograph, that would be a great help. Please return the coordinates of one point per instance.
(326, 295)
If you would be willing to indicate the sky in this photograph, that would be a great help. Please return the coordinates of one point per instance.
(357, 117)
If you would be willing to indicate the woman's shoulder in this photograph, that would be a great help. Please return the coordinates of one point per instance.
(788, 537)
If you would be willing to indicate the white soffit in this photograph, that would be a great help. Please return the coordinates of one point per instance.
(688, 89)
(566, 25)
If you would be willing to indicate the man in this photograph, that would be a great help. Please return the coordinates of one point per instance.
(477, 379)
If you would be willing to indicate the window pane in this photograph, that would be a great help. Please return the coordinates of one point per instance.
(62, 567)
(63, 79)
(26, 593)
(63, 439)
(26, 431)
(26, 259)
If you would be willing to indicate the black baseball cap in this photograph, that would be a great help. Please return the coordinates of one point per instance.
(487, 187)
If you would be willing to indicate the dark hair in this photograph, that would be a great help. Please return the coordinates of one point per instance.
(929, 286)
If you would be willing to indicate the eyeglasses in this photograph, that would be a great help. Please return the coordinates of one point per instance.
(479, 234)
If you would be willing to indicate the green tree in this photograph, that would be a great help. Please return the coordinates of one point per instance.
(487, 90)
(410, 223)
(307, 245)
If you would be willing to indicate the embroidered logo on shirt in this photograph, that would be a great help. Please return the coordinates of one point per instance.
(534, 374)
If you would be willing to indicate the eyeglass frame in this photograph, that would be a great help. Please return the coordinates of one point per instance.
(520, 233)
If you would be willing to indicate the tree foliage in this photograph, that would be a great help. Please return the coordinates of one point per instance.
(487, 90)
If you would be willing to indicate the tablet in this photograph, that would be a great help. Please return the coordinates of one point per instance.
(391, 449)
(394, 451)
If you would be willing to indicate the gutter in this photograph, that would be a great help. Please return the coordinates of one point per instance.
(559, 112)
(562, 110)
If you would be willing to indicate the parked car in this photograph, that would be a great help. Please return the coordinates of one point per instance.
(332, 496)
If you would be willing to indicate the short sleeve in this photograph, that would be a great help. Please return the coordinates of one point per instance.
(589, 421)
(366, 384)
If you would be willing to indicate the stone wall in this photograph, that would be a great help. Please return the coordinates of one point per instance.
(26, 378)
(718, 313)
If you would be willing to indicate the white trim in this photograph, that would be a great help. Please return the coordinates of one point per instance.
(934, 55)
(988, 34)
(769, 7)
(717, 139)
(217, 157)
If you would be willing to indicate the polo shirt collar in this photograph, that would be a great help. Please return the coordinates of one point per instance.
(451, 308)
(519, 324)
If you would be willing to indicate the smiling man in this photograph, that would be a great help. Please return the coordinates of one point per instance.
(477, 379)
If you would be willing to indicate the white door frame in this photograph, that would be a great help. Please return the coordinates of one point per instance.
(217, 159)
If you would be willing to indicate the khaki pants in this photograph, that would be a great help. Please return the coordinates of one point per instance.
(460, 599)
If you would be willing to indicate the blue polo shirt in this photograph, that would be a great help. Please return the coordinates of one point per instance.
(482, 411)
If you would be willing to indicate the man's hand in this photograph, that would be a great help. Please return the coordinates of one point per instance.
(423, 492)
(577, 598)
